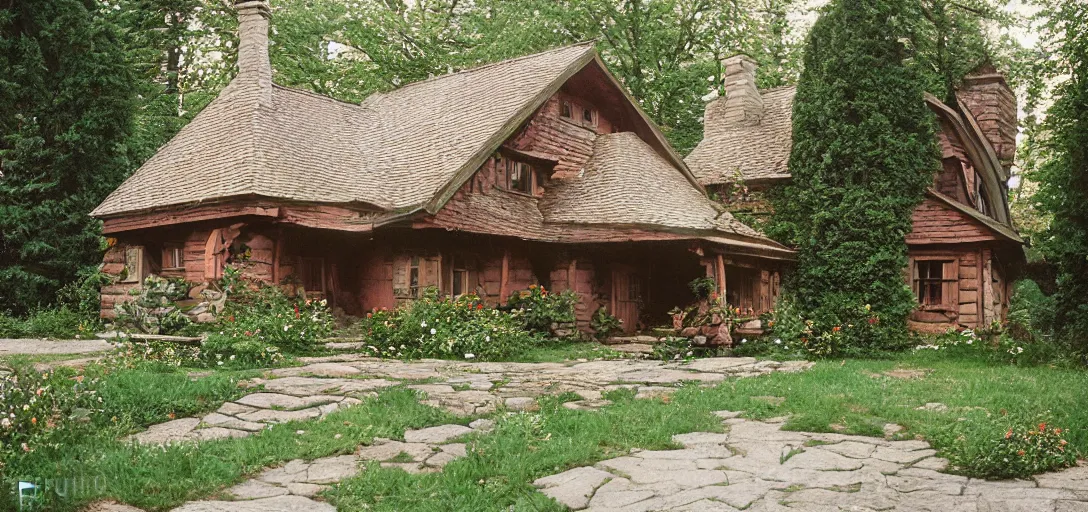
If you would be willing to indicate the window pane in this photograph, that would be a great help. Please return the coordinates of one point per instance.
(521, 177)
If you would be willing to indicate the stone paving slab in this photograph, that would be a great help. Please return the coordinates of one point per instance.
(10, 347)
(756, 466)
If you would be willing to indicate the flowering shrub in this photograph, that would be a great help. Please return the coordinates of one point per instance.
(163, 354)
(438, 326)
(254, 320)
(33, 405)
(541, 310)
(1019, 453)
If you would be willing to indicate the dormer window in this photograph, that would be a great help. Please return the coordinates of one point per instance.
(566, 110)
(519, 176)
(589, 117)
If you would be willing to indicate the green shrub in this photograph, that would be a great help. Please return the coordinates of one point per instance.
(857, 175)
(703, 287)
(1019, 453)
(540, 309)
(674, 349)
(1031, 312)
(56, 323)
(154, 310)
(604, 324)
(438, 326)
(268, 316)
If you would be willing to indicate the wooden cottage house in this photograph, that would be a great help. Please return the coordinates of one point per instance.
(539, 169)
(963, 249)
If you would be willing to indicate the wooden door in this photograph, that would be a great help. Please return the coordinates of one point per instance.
(626, 296)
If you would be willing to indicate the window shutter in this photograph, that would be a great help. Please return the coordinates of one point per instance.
(429, 272)
(950, 288)
(400, 276)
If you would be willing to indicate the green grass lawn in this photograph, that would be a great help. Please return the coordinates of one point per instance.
(853, 396)
(850, 396)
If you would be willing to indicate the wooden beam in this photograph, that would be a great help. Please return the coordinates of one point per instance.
(211, 249)
(721, 275)
(572, 280)
(504, 282)
(189, 214)
(277, 254)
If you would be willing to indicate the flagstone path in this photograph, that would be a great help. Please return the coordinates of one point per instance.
(753, 465)
(757, 467)
(326, 384)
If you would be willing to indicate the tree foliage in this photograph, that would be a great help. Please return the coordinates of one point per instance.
(1063, 170)
(66, 107)
(864, 151)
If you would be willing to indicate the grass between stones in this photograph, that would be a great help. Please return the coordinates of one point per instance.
(159, 478)
(853, 396)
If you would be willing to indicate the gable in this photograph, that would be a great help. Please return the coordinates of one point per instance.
(941, 220)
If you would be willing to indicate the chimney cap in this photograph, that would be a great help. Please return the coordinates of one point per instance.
(738, 58)
(261, 6)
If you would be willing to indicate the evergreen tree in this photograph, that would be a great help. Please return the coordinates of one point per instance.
(864, 151)
(1063, 174)
(66, 106)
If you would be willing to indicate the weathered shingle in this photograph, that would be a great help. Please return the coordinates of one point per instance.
(757, 152)
(394, 151)
(626, 182)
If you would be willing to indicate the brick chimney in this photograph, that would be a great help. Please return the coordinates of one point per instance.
(988, 97)
(743, 103)
(253, 63)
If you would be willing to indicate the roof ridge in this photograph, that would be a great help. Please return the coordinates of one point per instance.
(488, 65)
(315, 95)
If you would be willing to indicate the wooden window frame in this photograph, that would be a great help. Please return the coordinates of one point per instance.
(414, 270)
(949, 281)
(134, 270)
(566, 110)
(458, 265)
(303, 272)
(511, 165)
(174, 254)
(592, 121)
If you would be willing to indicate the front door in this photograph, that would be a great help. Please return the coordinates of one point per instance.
(626, 296)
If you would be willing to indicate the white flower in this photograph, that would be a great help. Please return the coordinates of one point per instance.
(220, 363)
(778, 341)
(286, 327)
(470, 356)
(423, 323)
(487, 337)
(232, 357)
(433, 331)
(743, 340)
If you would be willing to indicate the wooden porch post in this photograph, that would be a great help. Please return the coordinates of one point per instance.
(721, 276)
(504, 282)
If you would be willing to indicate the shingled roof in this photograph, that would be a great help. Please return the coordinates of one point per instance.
(627, 183)
(758, 151)
(394, 151)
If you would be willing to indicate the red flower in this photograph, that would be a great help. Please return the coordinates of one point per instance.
(296, 312)
(1042, 427)
(873, 320)
(1008, 434)
(836, 328)
(479, 306)
(370, 315)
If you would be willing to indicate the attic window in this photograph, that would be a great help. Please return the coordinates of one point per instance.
(980, 196)
(519, 176)
(589, 117)
(566, 110)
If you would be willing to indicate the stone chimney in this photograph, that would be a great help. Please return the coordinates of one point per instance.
(253, 63)
(743, 103)
(988, 97)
